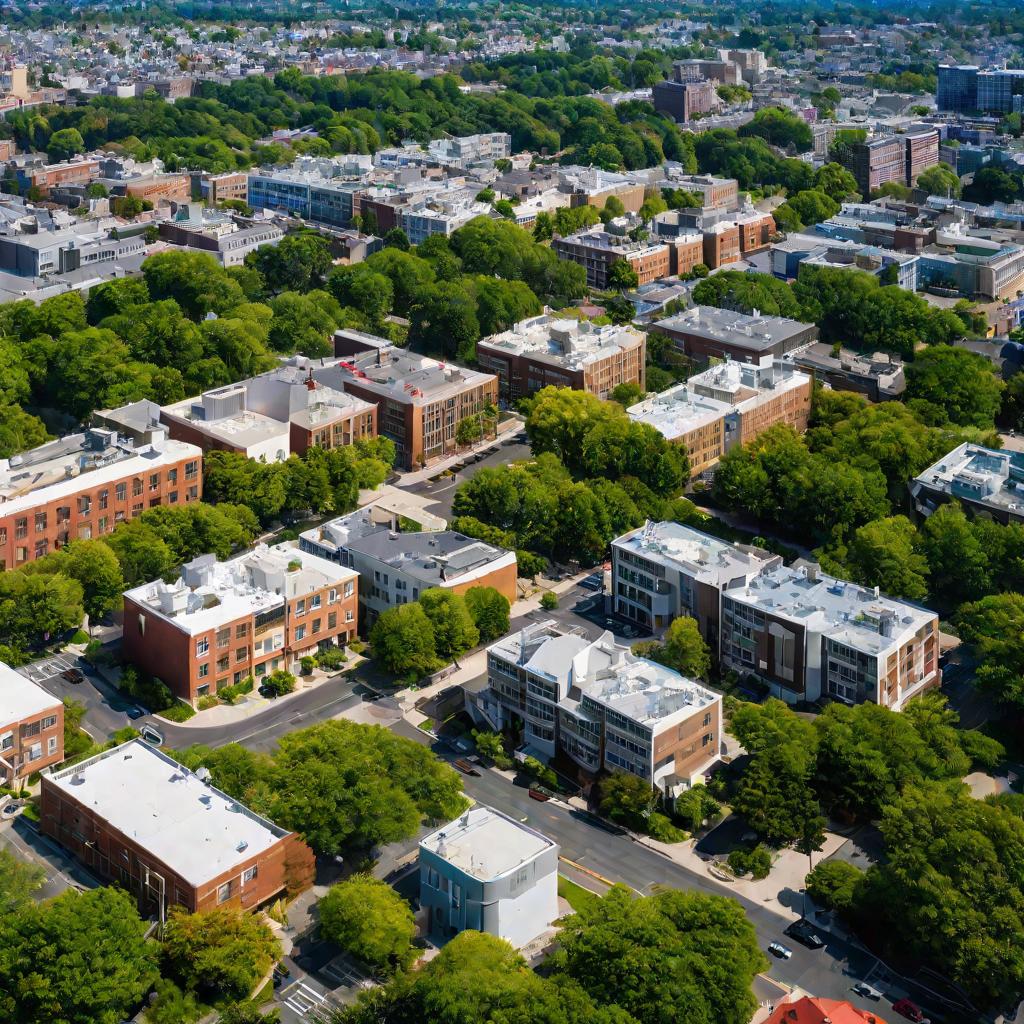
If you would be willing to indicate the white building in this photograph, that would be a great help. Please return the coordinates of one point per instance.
(489, 873)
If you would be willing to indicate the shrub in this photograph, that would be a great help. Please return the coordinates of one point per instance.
(541, 772)
(207, 701)
(491, 746)
(660, 827)
(530, 564)
(178, 712)
(549, 600)
(308, 663)
(278, 683)
(331, 658)
(695, 806)
(756, 862)
(145, 689)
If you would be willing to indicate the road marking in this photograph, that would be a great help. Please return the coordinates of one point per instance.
(592, 874)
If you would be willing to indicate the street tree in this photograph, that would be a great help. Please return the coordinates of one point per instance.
(453, 626)
(489, 609)
(403, 641)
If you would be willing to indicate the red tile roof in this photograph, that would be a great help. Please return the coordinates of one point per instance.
(809, 1010)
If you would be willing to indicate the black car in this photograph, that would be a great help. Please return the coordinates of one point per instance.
(805, 934)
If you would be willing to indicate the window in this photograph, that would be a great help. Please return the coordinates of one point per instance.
(224, 892)
(7, 741)
(203, 690)
(136, 487)
(332, 596)
(240, 631)
(314, 601)
(202, 647)
(51, 746)
(241, 653)
(154, 481)
(121, 492)
(49, 722)
(249, 874)
(349, 589)
(204, 670)
(300, 632)
(104, 498)
(40, 522)
(315, 628)
(35, 751)
(223, 637)
(349, 616)
(332, 620)
(300, 607)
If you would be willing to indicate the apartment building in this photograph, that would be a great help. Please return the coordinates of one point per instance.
(726, 405)
(31, 728)
(273, 415)
(471, 150)
(600, 705)
(229, 241)
(395, 568)
(806, 635)
(220, 622)
(420, 401)
(681, 100)
(707, 332)
(591, 186)
(81, 486)
(663, 570)
(921, 151)
(157, 188)
(490, 873)
(878, 377)
(597, 251)
(809, 636)
(217, 188)
(986, 481)
(725, 235)
(548, 350)
(79, 171)
(877, 161)
(138, 819)
(717, 193)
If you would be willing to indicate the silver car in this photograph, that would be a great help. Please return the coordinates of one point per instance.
(779, 950)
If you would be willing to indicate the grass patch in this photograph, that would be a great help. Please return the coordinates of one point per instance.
(575, 895)
(179, 712)
(426, 725)
(31, 811)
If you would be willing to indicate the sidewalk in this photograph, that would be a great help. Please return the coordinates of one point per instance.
(505, 430)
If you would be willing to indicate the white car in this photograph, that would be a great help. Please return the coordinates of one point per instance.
(862, 988)
(779, 950)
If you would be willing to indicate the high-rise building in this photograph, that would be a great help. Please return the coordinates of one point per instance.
(957, 88)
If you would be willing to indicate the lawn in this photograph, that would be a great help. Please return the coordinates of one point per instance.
(575, 895)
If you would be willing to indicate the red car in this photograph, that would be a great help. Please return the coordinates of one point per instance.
(910, 1010)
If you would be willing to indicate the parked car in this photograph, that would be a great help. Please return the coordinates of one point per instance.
(150, 735)
(72, 675)
(910, 1010)
(805, 934)
(135, 712)
(862, 988)
(540, 793)
(465, 767)
(595, 581)
(779, 950)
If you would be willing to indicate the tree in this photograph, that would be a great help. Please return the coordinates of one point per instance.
(64, 144)
(958, 562)
(696, 805)
(549, 600)
(779, 127)
(612, 208)
(19, 431)
(940, 180)
(886, 554)
(298, 263)
(396, 238)
(961, 383)
(453, 626)
(196, 281)
(832, 884)
(994, 626)
(279, 683)
(443, 320)
(367, 918)
(248, 1013)
(489, 609)
(218, 953)
(403, 642)
(622, 276)
(835, 181)
(627, 393)
(19, 879)
(684, 649)
(628, 800)
(675, 956)
(95, 566)
(81, 958)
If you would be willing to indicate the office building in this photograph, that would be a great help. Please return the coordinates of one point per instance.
(878, 377)
(31, 728)
(809, 636)
(49, 248)
(548, 350)
(707, 332)
(395, 568)
(1001, 91)
(271, 416)
(221, 622)
(471, 150)
(986, 481)
(489, 873)
(597, 251)
(78, 171)
(717, 193)
(663, 570)
(681, 100)
(591, 186)
(420, 401)
(218, 188)
(957, 88)
(877, 161)
(727, 405)
(967, 89)
(921, 151)
(198, 227)
(600, 705)
(81, 486)
(138, 819)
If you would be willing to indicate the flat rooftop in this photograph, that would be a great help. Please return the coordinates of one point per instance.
(754, 332)
(698, 554)
(678, 411)
(20, 698)
(194, 829)
(854, 615)
(433, 557)
(209, 592)
(485, 844)
(567, 342)
(66, 466)
(984, 475)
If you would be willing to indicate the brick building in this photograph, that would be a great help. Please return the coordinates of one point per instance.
(564, 353)
(221, 622)
(31, 728)
(420, 401)
(157, 187)
(921, 151)
(83, 485)
(215, 188)
(80, 171)
(877, 161)
(729, 404)
(272, 416)
(681, 100)
(597, 251)
(137, 818)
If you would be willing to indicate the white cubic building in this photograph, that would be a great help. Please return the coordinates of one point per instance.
(487, 872)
